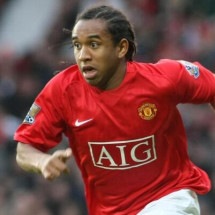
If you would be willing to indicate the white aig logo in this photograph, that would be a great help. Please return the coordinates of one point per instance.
(123, 154)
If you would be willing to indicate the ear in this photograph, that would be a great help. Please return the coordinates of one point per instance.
(123, 48)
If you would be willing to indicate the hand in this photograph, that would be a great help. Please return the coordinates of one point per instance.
(52, 166)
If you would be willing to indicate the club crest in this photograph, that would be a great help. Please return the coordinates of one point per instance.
(147, 111)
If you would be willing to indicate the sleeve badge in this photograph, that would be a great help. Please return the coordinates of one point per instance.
(191, 68)
(30, 117)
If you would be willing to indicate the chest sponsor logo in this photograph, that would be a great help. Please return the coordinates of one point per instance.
(121, 155)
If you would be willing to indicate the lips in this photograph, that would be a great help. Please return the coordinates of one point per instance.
(89, 72)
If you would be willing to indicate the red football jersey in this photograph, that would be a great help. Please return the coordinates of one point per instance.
(129, 142)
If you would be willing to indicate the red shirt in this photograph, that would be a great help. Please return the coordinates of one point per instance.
(129, 142)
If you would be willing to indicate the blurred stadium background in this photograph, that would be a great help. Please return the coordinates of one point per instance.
(31, 49)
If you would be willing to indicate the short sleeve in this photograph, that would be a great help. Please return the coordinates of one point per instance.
(43, 125)
(193, 83)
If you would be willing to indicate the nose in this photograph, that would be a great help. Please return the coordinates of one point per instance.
(84, 54)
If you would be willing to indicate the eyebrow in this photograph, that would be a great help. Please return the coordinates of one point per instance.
(93, 36)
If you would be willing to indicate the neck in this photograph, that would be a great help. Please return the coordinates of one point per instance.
(116, 78)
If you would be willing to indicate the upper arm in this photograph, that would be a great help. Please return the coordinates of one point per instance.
(43, 125)
(192, 82)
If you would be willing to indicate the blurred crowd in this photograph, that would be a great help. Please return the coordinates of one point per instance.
(176, 29)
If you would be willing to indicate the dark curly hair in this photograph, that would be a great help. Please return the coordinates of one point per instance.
(118, 25)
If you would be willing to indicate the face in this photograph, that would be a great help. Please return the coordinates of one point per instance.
(99, 60)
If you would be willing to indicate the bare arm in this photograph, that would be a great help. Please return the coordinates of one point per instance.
(49, 165)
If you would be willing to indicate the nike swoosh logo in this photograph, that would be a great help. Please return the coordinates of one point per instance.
(79, 123)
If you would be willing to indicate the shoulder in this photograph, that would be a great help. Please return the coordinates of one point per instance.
(178, 67)
(167, 68)
(65, 77)
(164, 73)
(160, 65)
(59, 84)
(164, 68)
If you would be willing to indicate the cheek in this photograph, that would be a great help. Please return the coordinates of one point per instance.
(75, 57)
(75, 54)
(108, 56)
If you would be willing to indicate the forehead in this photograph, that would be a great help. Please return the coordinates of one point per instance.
(86, 28)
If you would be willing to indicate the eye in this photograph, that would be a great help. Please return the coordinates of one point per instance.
(94, 45)
(77, 45)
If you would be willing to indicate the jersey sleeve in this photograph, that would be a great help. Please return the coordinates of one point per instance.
(192, 82)
(43, 125)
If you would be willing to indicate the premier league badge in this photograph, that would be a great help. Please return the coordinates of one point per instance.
(191, 68)
(30, 117)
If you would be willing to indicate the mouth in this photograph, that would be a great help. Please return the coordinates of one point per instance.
(89, 72)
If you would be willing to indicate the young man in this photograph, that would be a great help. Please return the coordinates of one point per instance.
(121, 121)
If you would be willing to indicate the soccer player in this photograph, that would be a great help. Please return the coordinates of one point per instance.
(121, 121)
